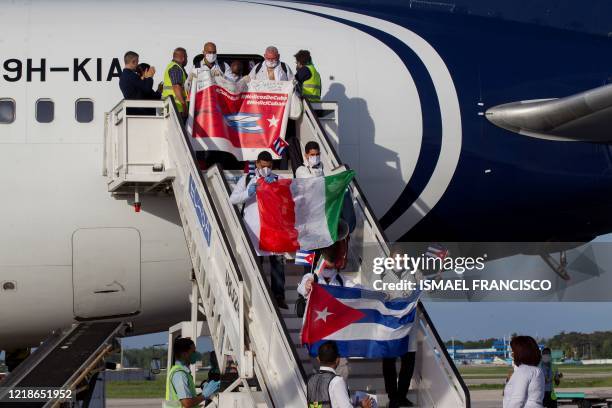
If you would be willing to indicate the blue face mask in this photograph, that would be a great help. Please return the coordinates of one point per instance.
(193, 357)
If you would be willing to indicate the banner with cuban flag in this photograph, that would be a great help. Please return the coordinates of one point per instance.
(242, 118)
(363, 323)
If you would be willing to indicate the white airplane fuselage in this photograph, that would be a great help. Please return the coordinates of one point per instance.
(58, 219)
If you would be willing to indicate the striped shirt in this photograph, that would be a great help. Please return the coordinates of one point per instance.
(176, 75)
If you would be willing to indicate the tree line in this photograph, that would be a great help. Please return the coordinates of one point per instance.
(576, 345)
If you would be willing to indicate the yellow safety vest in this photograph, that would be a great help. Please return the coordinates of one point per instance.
(172, 399)
(311, 88)
(169, 91)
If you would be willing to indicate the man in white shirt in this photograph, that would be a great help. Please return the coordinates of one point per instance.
(210, 60)
(326, 388)
(271, 69)
(312, 166)
(244, 193)
(206, 60)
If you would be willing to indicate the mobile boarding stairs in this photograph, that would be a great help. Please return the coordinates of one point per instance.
(231, 301)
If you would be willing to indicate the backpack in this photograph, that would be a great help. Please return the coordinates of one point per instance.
(283, 67)
(317, 389)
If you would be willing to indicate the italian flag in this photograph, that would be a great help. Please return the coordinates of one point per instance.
(300, 213)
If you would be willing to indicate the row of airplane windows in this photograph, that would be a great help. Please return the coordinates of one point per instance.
(45, 110)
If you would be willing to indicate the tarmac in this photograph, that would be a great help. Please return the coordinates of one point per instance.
(480, 399)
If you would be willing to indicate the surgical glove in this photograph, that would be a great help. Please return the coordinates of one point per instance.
(251, 190)
(210, 388)
(270, 179)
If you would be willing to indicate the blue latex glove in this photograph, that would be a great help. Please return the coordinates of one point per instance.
(210, 388)
(251, 189)
(270, 179)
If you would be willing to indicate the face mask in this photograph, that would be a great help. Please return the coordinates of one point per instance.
(210, 58)
(193, 357)
(264, 171)
(314, 160)
(328, 273)
(271, 64)
(546, 358)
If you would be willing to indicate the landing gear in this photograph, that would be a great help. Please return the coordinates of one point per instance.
(559, 267)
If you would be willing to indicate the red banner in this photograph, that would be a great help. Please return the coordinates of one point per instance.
(241, 118)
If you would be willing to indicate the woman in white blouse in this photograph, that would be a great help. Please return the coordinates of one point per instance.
(525, 389)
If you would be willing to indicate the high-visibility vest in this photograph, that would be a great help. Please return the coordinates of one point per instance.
(311, 88)
(169, 91)
(553, 394)
(172, 399)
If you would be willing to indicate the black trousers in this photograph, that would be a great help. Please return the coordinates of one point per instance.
(549, 402)
(277, 274)
(396, 385)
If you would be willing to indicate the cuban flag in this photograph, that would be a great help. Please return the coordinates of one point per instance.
(279, 146)
(363, 323)
(305, 258)
(437, 251)
(249, 168)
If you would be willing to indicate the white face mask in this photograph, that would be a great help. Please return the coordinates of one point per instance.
(328, 273)
(271, 64)
(546, 358)
(265, 171)
(314, 160)
(211, 58)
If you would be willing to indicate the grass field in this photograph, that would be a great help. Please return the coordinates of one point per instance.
(501, 371)
(143, 389)
(156, 389)
(486, 373)
(578, 383)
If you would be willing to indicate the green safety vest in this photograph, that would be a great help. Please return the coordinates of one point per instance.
(311, 88)
(172, 399)
(169, 91)
(553, 394)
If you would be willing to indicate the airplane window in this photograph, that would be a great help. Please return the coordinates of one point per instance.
(84, 110)
(45, 110)
(7, 110)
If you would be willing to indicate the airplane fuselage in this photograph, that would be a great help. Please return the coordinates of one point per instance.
(411, 86)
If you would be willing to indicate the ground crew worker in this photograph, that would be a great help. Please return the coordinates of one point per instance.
(174, 80)
(180, 387)
(307, 76)
(271, 68)
(244, 193)
(327, 389)
(551, 377)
